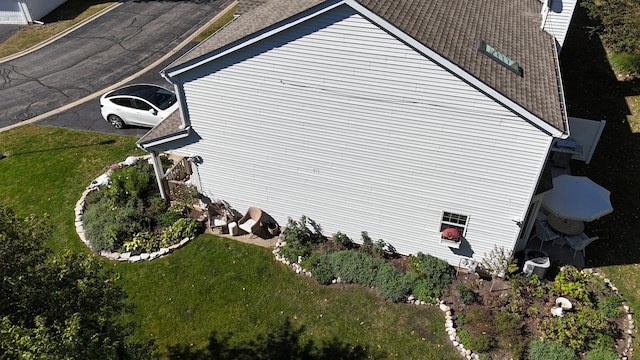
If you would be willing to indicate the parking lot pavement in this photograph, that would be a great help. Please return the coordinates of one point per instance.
(112, 47)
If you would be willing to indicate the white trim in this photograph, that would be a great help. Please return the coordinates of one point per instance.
(182, 68)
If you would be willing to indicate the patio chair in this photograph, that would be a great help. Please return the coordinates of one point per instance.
(251, 222)
(545, 234)
(580, 242)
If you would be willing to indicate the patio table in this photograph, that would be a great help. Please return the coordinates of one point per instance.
(565, 226)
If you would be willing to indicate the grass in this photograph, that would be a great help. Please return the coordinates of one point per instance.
(64, 17)
(185, 297)
(213, 284)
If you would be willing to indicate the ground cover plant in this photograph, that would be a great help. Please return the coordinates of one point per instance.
(128, 213)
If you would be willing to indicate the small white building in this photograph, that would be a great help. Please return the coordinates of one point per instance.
(396, 117)
(26, 11)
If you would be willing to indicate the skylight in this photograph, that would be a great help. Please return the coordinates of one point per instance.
(501, 58)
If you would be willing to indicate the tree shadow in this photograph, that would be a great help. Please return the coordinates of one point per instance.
(284, 342)
(593, 91)
(70, 10)
(104, 142)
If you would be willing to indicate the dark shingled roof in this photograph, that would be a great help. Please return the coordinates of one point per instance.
(451, 28)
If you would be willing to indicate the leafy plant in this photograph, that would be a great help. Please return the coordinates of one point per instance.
(573, 283)
(367, 242)
(320, 266)
(545, 350)
(143, 241)
(183, 228)
(342, 240)
(302, 238)
(434, 274)
(392, 283)
(465, 294)
(601, 354)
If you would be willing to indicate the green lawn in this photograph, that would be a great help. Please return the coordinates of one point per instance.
(213, 284)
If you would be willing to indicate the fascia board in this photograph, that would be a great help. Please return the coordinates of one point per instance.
(172, 73)
(177, 136)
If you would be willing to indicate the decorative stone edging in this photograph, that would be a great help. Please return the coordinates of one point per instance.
(449, 324)
(450, 328)
(116, 256)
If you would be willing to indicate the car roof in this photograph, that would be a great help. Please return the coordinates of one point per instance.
(144, 91)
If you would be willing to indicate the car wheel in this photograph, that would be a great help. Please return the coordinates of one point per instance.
(116, 121)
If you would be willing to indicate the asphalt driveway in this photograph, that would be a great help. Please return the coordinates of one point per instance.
(110, 48)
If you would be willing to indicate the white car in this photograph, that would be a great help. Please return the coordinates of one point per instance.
(138, 104)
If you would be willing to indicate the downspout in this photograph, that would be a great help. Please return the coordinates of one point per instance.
(157, 168)
(24, 7)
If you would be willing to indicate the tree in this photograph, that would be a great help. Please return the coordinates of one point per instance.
(620, 23)
(58, 306)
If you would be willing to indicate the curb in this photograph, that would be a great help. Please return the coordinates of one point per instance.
(58, 36)
(124, 81)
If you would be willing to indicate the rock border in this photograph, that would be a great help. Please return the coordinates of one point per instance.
(449, 323)
(116, 256)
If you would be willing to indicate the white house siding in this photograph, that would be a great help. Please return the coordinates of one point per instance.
(558, 19)
(11, 12)
(354, 129)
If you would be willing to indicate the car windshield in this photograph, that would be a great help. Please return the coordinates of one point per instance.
(158, 96)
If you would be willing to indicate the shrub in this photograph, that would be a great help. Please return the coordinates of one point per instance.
(576, 329)
(183, 228)
(171, 215)
(131, 181)
(355, 267)
(435, 274)
(392, 283)
(342, 241)
(302, 238)
(142, 242)
(320, 267)
(573, 283)
(601, 354)
(367, 242)
(545, 350)
(610, 305)
(465, 294)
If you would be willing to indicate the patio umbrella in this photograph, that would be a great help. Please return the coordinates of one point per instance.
(577, 198)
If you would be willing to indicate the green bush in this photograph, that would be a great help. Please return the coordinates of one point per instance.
(392, 283)
(143, 242)
(355, 267)
(610, 306)
(171, 215)
(302, 237)
(320, 267)
(183, 228)
(601, 354)
(465, 294)
(545, 350)
(131, 181)
(342, 241)
(576, 329)
(435, 276)
(573, 283)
